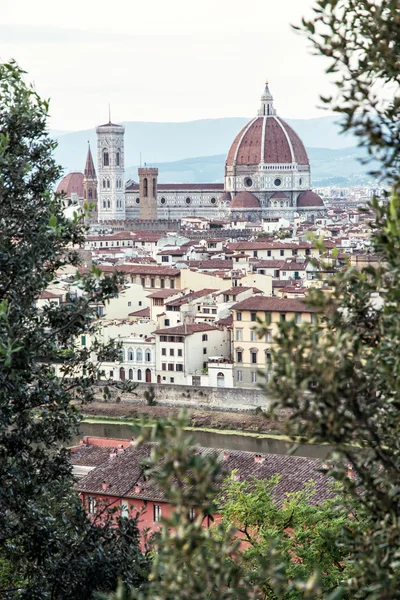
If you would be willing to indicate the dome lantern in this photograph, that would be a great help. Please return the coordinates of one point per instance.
(267, 103)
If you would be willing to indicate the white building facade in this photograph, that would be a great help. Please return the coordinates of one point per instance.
(110, 172)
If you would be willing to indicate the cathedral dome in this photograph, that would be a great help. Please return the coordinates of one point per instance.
(309, 199)
(245, 200)
(267, 139)
(71, 184)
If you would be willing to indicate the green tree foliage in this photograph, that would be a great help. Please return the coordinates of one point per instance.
(341, 376)
(306, 537)
(48, 547)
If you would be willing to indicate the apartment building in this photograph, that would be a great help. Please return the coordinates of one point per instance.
(182, 352)
(252, 353)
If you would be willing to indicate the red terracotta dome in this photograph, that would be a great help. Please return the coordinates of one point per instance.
(71, 184)
(267, 139)
(244, 200)
(309, 199)
(226, 197)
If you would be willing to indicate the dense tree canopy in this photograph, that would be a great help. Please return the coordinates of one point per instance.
(48, 547)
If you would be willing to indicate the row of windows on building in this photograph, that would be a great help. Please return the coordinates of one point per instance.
(253, 336)
(253, 353)
(126, 509)
(107, 184)
(107, 203)
(140, 375)
(106, 158)
(282, 317)
(253, 376)
(130, 355)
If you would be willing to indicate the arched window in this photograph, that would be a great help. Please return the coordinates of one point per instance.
(147, 356)
(130, 354)
(117, 160)
(145, 187)
(104, 183)
(139, 375)
(139, 355)
(108, 183)
(106, 159)
(154, 187)
(220, 380)
(204, 337)
(108, 204)
(104, 204)
(90, 194)
(130, 374)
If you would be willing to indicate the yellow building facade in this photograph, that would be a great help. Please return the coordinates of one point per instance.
(252, 353)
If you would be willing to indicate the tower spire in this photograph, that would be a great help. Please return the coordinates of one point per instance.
(90, 171)
(109, 113)
(267, 103)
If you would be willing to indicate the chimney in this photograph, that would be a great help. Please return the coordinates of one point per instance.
(350, 471)
(121, 449)
(105, 486)
(258, 458)
(226, 455)
(236, 477)
(138, 489)
(113, 453)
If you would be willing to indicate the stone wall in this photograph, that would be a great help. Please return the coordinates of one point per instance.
(213, 398)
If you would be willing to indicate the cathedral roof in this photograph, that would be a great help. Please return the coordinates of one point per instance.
(245, 200)
(90, 171)
(309, 198)
(267, 139)
(279, 195)
(71, 184)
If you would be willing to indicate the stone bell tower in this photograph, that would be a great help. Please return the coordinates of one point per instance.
(110, 169)
(148, 193)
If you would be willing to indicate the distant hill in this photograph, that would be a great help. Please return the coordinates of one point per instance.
(328, 167)
(166, 142)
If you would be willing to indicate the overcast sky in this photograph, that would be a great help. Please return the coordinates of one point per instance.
(162, 60)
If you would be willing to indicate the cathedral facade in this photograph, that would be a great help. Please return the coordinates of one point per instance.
(267, 174)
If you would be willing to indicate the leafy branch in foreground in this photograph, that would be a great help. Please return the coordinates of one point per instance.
(48, 547)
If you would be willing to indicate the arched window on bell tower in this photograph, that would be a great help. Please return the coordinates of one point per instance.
(90, 194)
(154, 187)
(117, 158)
(106, 158)
(145, 187)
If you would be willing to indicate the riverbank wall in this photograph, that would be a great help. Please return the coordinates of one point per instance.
(210, 398)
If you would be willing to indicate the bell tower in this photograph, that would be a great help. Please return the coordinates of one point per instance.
(148, 193)
(90, 184)
(110, 169)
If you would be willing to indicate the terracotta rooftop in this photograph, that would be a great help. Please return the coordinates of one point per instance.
(309, 198)
(188, 329)
(245, 200)
(267, 139)
(141, 270)
(123, 473)
(144, 312)
(71, 184)
(273, 304)
(189, 297)
(163, 293)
